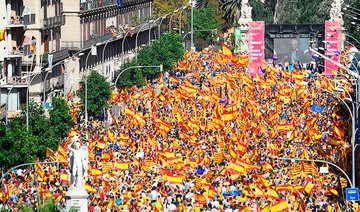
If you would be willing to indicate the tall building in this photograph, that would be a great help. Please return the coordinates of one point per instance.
(43, 35)
(33, 31)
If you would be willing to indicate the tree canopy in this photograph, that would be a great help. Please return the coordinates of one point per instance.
(17, 145)
(166, 52)
(98, 93)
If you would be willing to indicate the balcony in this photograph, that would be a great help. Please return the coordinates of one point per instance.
(53, 21)
(94, 4)
(76, 45)
(17, 21)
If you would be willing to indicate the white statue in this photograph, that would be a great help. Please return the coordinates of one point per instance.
(245, 10)
(335, 11)
(79, 163)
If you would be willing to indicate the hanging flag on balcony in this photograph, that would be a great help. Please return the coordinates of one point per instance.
(2, 34)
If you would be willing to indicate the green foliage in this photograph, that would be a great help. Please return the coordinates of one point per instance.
(263, 12)
(166, 52)
(60, 117)
(48, 205)
(231, 9)
(203, 20)
(352, 28)
(19, 146)
(98, 93)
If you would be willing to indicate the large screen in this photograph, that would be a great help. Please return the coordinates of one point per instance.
(293, 50)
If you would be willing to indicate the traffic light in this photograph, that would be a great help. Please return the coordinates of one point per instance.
(358, 28)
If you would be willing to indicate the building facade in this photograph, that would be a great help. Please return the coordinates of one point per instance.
(36, 29)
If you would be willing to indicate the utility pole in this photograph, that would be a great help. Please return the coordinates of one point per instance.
(193, 2)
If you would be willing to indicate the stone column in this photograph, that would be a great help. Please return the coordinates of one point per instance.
(336, 15)
(245, 18)
(76, 198)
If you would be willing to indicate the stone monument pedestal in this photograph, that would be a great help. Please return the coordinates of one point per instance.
(76, 198)
(244, 26)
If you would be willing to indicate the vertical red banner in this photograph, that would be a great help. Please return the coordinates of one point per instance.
(332, 45)
(256, 47)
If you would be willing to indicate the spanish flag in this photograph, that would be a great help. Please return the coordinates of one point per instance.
(95, 172)
(280, 206)
(101, 144)
(110, 135)
(200, 198)
(174, 80)
(226, 50)
(65, 177)
(175, 179)
(2, 34)
(309, 187)
(343, 182)
(62, 155)
(89, 188)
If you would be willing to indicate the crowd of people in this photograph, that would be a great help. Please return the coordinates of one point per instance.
(214, 139)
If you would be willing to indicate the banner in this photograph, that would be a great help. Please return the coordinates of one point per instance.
(332, 39)
(237, 40)
(256, 47)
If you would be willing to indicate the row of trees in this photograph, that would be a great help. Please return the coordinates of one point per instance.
(17, 145)
(165, 52)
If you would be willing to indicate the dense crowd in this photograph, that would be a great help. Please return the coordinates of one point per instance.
(210, 140)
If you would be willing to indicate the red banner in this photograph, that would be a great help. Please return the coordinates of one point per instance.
(332, 45)
(256, 47)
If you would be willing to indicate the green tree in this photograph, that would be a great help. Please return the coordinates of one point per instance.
(205, 19)
(130, 77)
(231, 9)
(263, 11)
(98, 93)
(60, 118)
(353, 29)
(166, 52)
(17, 145)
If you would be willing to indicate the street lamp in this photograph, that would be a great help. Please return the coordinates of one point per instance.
(180, 17)
(86, 106)
(48, 70)
(103, 56)
(122, 46)
(346, 9)
(348, 6)
(172, 15)
(193, 2)
(323, 161)
(356, 75)
(27, 96)
(137, 35)
(132, 67)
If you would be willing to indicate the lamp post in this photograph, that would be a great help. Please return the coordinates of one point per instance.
(103, 56)
(122, 48)
(132, 67)
(180, 18)
(136, 40)
(86, 106)
(193, 2)
(197, 30)
(323, 161)
(48, 70)
(27, 97)
(172, 15)
(348, 6)
(353, 132)
(355, 13)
